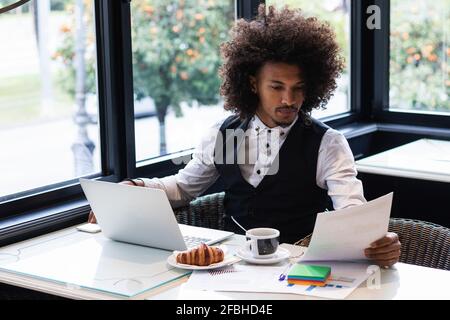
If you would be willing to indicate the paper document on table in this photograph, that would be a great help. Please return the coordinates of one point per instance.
(343, 235)
(345, 278)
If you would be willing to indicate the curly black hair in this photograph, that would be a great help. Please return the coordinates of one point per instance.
(284, 36)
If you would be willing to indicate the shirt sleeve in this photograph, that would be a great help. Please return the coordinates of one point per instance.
(196, 177)
(336, 171)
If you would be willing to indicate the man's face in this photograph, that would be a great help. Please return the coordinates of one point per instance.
(280, 89)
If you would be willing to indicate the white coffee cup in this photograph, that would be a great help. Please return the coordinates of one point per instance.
(262, 243)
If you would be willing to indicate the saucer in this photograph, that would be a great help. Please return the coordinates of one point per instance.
(280, 255)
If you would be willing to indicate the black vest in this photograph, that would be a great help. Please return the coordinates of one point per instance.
(288, 200)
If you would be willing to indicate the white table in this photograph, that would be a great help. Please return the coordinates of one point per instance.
(424, 159)
(401, 282)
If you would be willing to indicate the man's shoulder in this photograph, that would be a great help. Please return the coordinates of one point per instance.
(230, 122)
(334, 137)
(319, 125)
(316, 128)
(325, 133)
(220, 122)
(220, 125)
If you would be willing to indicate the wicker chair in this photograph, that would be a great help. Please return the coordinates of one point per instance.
(206, 211)
(423, 243)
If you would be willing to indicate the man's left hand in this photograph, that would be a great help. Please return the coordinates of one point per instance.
(385, 252)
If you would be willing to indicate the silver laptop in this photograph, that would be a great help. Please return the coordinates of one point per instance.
(143, 216)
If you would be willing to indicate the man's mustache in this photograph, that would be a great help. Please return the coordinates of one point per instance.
(290, 108)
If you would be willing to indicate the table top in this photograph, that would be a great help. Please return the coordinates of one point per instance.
(424, 159)
(91, 260)
(88, 263)
(401, 282)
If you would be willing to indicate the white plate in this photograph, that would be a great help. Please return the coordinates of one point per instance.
(280, 255)
(228, 259)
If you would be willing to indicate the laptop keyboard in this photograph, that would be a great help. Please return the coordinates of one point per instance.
(194, 241)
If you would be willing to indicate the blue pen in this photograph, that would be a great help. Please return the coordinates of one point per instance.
(283, 274)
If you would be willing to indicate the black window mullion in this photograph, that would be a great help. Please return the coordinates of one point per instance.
(381, 61)
(359, 68)
(116, 89)
(247, 9)
(104, 85)
(128, 94)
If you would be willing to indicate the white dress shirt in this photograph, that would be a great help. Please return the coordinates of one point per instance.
(336, 170)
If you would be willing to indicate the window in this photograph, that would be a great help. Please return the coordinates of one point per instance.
(419, 56)
(48, 100)
(56, 98)
(337, 13)
(175, 69)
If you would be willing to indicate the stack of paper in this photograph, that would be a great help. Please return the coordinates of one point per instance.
(306, 275)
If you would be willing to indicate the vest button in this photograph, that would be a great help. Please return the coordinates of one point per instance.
(258, 172)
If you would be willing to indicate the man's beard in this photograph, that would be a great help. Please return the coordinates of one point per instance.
(285, 123)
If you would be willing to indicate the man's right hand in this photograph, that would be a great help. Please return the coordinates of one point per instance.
(93, 219)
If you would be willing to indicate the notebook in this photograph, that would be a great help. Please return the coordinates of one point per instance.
(309, 274)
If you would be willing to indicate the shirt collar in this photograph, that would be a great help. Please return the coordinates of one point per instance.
(259, 126)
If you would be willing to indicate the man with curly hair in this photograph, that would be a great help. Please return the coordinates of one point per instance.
(285, 166)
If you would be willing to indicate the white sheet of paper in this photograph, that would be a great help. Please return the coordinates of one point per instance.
(242, 277)
(343, 235)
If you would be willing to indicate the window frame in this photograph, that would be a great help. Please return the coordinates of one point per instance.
(116, 131)
(381, 112)
(22, 216)
(57, 206)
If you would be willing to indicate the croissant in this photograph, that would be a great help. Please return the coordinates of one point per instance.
(203, 255)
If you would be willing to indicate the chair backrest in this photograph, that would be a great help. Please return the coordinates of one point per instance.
(423, 243)
(206, 211)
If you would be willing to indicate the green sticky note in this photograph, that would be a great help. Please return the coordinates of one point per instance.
(309, 272)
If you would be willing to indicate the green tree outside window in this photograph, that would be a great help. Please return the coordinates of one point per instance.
(175, 53)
